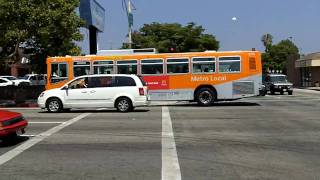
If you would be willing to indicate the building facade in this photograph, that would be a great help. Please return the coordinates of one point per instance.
(94, 16)
(309, 70)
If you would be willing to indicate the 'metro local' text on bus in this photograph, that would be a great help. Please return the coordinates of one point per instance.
(204, 77)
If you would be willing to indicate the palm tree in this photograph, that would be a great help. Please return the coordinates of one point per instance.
(267, 41)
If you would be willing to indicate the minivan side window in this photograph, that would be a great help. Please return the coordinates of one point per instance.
(103, 81)
(124, 81)
(79, 83)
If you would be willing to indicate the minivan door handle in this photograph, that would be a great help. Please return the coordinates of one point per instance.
(84, 92)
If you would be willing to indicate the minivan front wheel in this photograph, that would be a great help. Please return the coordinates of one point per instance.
(54, 105)
(124, 104)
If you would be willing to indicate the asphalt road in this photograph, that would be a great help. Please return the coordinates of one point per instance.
(272, 137)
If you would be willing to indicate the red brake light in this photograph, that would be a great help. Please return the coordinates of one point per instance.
(141, 91)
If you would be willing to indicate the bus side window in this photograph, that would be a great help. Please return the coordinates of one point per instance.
(230, 64)
(103, 67)
(59, 72)
(127, 66)
(81, 68)
(152, 66)
(178, 66)
(203, 65)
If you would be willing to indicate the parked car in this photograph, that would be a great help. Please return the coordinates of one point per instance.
(36, 79)
(278, 83)
(11, 124)
(262, 90)
(17, 82)
(6, 82)
(123, 92)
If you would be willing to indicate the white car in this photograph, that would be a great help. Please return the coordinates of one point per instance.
(123, 92)
(17, 82)
(36, 79)
(6, 82)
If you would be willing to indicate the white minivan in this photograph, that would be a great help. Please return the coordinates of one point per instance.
(123, 92)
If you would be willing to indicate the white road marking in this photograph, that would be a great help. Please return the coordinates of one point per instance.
(28, 144)
(170, 163)
(28, 135)
(44, 122)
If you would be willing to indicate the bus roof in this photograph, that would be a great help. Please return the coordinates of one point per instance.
(122, 53)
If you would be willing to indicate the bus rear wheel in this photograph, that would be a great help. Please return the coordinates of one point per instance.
(205, 96)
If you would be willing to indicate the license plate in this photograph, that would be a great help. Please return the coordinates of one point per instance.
(285, 90)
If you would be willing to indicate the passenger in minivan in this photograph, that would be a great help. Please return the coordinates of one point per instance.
(82, 84)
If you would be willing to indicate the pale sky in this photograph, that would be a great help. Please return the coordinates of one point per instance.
(298, 19)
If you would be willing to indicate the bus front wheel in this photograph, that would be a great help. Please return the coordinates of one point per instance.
(205, 96)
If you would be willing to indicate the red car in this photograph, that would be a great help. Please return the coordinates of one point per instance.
(11, 124)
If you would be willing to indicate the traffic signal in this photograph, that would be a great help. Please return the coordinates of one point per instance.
(172, 49)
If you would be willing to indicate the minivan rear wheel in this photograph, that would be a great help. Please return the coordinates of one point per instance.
(124, 104)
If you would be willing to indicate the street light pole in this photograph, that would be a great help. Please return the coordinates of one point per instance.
(130, 22)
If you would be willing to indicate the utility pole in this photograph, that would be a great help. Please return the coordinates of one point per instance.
(130, 22)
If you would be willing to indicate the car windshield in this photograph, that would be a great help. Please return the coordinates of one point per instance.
(26, 77)
(278, 78)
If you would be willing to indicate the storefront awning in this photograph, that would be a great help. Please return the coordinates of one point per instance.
(310, 60)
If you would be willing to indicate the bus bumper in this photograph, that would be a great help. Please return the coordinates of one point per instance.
(141, 101)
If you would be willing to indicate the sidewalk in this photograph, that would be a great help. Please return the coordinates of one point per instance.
(313, 90)
(11, 103)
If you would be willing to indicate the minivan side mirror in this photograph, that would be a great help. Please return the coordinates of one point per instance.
(66, 87)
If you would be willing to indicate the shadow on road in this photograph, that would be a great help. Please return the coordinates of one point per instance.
(96, 111)
(13, 141)
(222, 103)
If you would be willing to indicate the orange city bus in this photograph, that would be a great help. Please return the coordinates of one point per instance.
(204, 77)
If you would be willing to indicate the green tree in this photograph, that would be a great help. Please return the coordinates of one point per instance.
(277, 55)
(45, 28)
(165, 36)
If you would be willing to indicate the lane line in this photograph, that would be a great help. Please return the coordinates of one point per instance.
(170, 163)
(44, 122)
(28, 144)
(28, 135)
